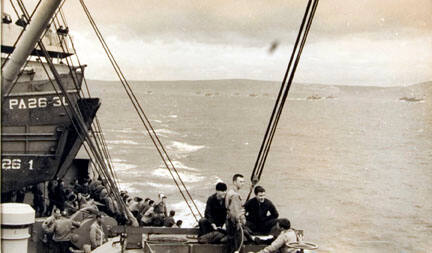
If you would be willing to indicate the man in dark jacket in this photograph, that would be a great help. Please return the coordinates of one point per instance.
(261, 214)
(52, 185)
(38, 199)
(215, 212)
(59, 195)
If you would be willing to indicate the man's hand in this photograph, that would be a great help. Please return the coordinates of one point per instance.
(214, 226)
(243, 220)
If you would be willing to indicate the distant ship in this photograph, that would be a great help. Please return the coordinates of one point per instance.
(411, 99)
(47, 119)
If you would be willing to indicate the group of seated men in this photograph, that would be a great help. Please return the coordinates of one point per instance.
(227, 219)
(71, 204)
(151, 213)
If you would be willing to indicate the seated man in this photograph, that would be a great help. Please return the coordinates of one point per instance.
(97, 235)
(169, 221)
(261, 214)
(160, 211)
(215, 212)
(63, 231)
(147, 217)
(286, 236)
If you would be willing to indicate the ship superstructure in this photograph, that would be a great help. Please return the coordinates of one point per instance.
(39, 140)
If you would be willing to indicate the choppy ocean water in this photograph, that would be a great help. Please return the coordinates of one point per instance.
(349, 165)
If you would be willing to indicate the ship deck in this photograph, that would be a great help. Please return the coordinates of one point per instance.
(162, 239)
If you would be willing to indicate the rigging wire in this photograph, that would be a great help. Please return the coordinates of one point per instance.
(283, 93)
(147, 124)
(131, 96)
(14, 8)
(28, 19)
(80, 125)
(65, 49)
(98, 133)
(22, 31)
(100, 144)
(289, 83)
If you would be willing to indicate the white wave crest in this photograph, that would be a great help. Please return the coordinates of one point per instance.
(179, 165)
(184, 147)
(120, 166)
(123, 130)
(183, 212)
(161, 186)
(128, 187)
(186, 177)
(165, 131)
(128, 142)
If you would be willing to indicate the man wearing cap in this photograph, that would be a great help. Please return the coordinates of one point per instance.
(215, 212)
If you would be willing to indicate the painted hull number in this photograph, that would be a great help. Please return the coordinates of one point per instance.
(15, 164)
(33, 103)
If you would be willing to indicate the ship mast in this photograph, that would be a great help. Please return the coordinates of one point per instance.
(27, 43)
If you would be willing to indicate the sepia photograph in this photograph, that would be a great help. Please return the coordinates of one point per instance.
(229, 126)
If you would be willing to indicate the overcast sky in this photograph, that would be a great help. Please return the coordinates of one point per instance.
(365, 42)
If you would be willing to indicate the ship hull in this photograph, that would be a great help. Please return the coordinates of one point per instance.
(39, 134)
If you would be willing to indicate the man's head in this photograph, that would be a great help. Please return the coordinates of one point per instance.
(259, 193)
(238, 181)
(221, 189)
(103, 193)
(172, 213)
(57, 213)
(284, 223)
(99, 218)
(162, 197)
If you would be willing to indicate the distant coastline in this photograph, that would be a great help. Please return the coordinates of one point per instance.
(257, 88)
(262, 82)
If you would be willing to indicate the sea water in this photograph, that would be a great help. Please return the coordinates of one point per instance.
(351, 166)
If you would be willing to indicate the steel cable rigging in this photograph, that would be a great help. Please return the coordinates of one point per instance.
(146, 122)
(283, 93)
(22, 31)
(96, 128)
(78, 123)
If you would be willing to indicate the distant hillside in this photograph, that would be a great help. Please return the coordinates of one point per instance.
(194, 82)
(426, 87)
(419, 91)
